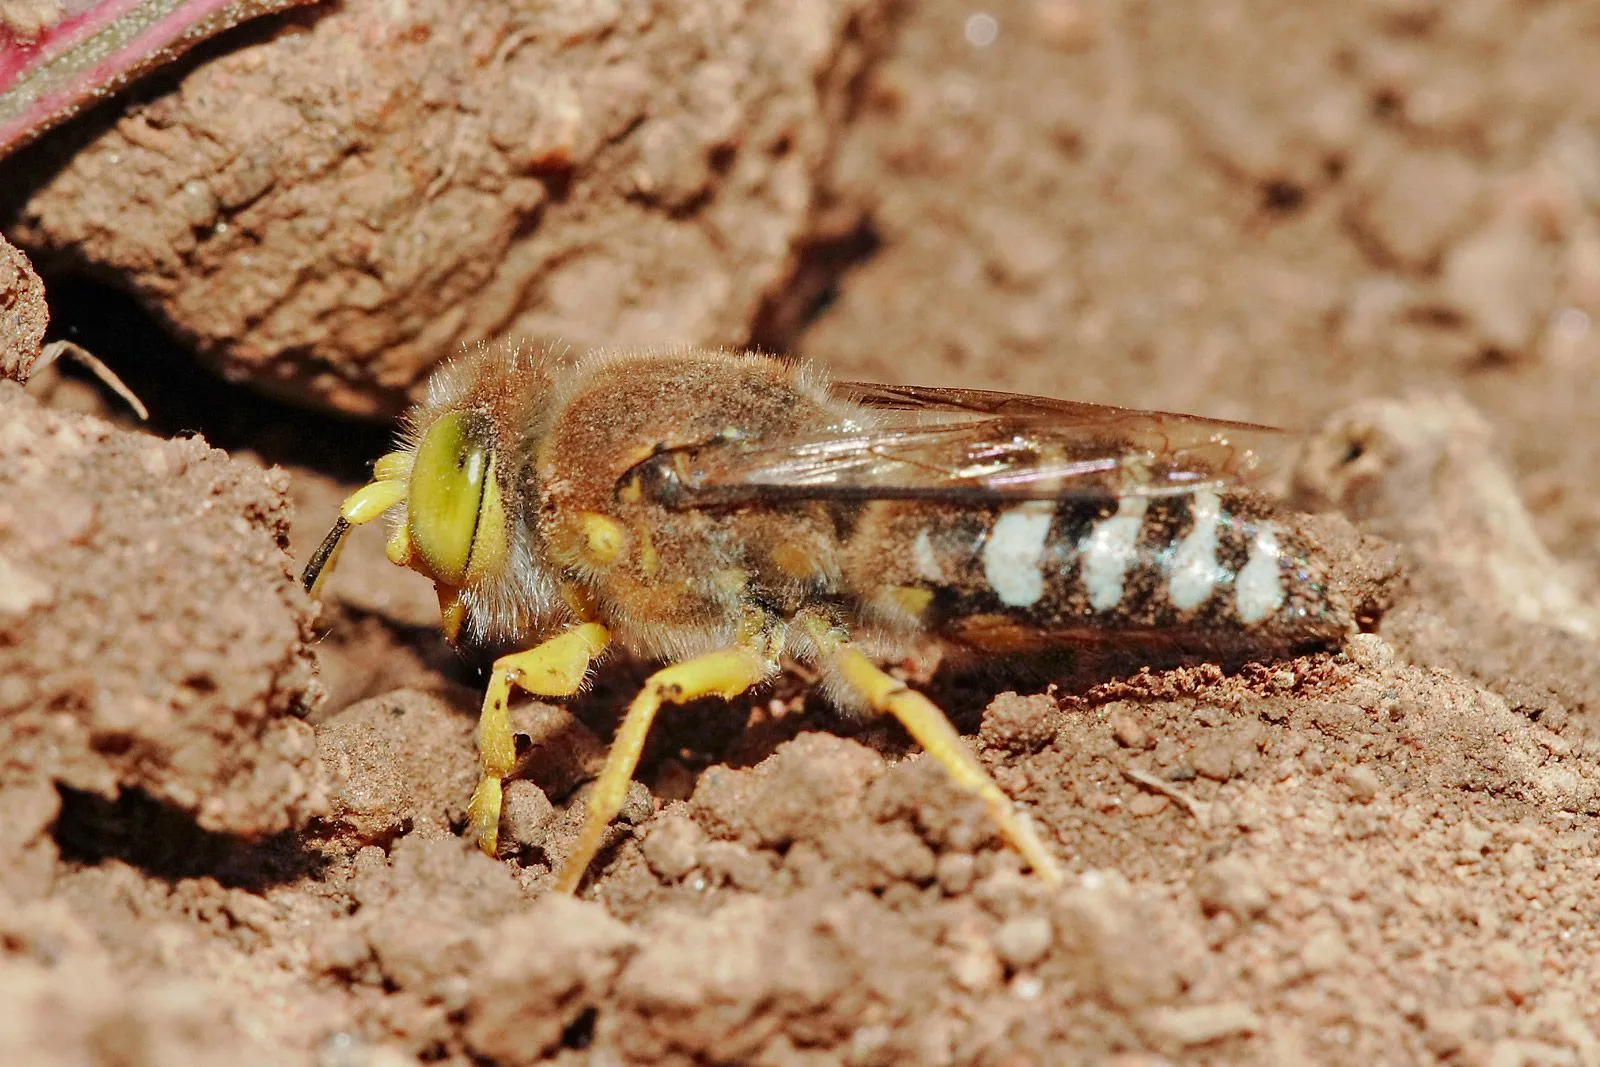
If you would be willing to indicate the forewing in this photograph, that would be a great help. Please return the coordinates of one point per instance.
(947, 444)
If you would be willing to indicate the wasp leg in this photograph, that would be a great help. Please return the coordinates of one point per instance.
(725, 673)
(555, 668)
(929, 727)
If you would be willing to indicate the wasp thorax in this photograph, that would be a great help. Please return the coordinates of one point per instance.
(453, 511)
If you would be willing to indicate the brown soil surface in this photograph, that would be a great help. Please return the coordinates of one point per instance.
(1381, 218)
(334, 209)
(23, 313)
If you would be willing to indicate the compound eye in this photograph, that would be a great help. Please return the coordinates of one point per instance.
(445, 497)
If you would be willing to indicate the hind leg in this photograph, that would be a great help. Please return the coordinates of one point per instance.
(931, 729)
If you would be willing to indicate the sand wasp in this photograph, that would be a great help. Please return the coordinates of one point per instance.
(721, 511)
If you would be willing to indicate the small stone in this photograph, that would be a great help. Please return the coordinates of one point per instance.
(672, 848)
(1231, 885)
(526, 814)
(1023, 941)
(1323, 952)
(1203, 1024)
(1363, 784)
(1129, 731)
(1145, 805)
(955, 872)
(1370, 651)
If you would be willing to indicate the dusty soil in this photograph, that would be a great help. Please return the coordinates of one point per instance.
(1382, 219)
(23, 313)
(334, 206)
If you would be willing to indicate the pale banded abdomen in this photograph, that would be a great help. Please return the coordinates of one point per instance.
(1200, 563)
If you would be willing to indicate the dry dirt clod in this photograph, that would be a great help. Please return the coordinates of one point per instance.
(398, 763)
(673, 846)
(1001, 207)
(1363, 784)
(1203, 1024)
(164, 643)
(527, 815)
(1019, 724)
(604, 177)
(1023, 941)
(1231, 885)
(1127, 726)
(23, 314)
(545, 969)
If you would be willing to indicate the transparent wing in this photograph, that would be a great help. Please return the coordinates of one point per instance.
(969, 444)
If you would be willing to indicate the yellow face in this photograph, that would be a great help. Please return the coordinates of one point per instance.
(455, 529)
(451, 482)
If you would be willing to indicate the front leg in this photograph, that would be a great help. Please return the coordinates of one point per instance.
(725, 673)
(555, 668)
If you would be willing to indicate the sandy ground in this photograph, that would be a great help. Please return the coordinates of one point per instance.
(1382, 220)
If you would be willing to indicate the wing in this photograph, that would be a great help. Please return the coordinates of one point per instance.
(969, 444)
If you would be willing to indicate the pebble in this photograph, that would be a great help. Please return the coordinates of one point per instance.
(526, 814)
(1363, 784)
(1023, 941)
(1323, 952)
(1203, 1024)
(1231, 885)
(955, 872)
(672, 848)
(1129, 731)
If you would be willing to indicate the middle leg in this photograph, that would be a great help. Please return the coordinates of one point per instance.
(725, 673)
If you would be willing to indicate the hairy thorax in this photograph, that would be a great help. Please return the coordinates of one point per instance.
(675, 580)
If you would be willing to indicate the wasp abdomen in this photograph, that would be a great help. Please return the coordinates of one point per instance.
(1203, 563)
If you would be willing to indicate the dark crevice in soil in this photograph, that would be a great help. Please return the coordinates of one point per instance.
(165, 843)
(185, 399)
(815, 286)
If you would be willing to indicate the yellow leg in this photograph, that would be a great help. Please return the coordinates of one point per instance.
(929, 728)
(555, 668)
(725, 673)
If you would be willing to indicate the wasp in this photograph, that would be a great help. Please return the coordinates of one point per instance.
(722, 512)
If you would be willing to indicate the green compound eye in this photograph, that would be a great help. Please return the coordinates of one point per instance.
(445, 498)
